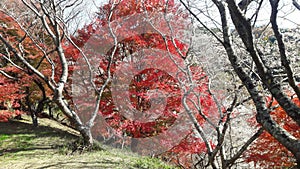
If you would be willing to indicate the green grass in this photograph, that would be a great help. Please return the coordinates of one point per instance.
(23, 146)
(3, 137)
(146, 163)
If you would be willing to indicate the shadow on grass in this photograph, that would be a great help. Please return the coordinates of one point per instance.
(81, 164)
(19, 136)
(19, 127)
(15, 150)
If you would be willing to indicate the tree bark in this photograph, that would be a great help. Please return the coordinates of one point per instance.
(244, 29)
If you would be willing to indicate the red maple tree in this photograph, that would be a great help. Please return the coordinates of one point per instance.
(266, 151)
(130, 42)
(20, 88)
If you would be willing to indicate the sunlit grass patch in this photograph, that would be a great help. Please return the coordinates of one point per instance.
(47, 146)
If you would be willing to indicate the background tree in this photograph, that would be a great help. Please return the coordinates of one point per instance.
(264, 81)
(147, 80)
(267, 152)
(210, 103)
(20, 82)
(44, 28)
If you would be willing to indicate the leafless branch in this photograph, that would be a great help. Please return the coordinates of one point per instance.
(296, 4)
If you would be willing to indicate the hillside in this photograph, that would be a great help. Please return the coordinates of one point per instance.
(22, 146)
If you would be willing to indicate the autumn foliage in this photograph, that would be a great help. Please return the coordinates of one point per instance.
(158, 77)
(267, 152)
(147, 59)
(16, 80)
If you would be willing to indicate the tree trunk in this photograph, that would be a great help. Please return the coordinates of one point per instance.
(31, 108)
(50, 112)
(297, 156)
(34, 118)
(86, 134)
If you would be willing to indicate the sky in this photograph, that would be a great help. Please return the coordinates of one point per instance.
(289, 16)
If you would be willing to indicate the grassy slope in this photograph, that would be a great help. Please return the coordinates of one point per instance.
(22, 146)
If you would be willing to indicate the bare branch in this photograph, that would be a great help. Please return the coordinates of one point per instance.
(7, 75)
(296, 4)
(195, 16)
(231, 161)
(23, 60)
(281, 46)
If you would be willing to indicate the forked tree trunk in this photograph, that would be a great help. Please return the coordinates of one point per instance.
(85, 131)
(88, 140)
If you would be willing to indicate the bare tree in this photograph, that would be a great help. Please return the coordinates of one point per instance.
(217, 126)
(49, 18)
(263, 68)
